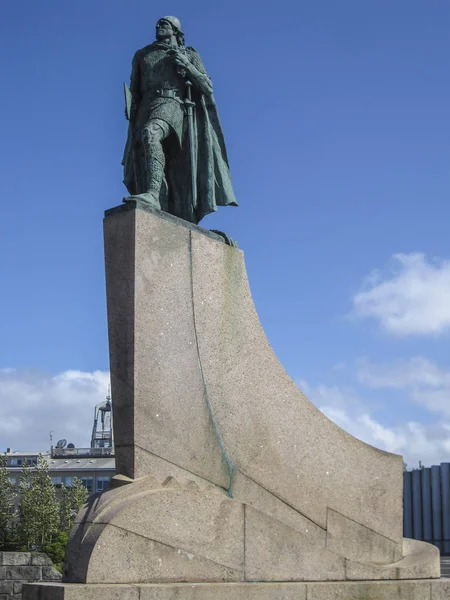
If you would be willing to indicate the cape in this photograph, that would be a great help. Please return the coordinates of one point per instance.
(214, 187)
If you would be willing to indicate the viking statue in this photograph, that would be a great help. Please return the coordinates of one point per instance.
(175, 158)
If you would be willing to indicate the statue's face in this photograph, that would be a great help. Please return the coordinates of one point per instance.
(163, 29)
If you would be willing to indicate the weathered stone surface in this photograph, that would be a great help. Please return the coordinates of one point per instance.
(6, 587)
(440, 590)
(24, 572)
(155, 377)
(367, 590)
(275, 552)
(181, 518)
(370, 590)
(276, 436)
(2, 572)
(421, 561)
(148, 560)
(356, 542)
(259, 498)
(17, 589)
(49, 573)
(40, 560)
(201, 523)
(15, 558)
(160, 468)
(199, 391)
(232, 591)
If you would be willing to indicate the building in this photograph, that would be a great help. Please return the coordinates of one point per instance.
(426, 505)
(94, 466)
(94, 471)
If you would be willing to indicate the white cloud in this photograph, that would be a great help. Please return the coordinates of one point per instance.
(33, 403)
(425, 383)
(414, 441)
(412, 298)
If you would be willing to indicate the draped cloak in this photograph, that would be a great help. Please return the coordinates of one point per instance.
(214, 187)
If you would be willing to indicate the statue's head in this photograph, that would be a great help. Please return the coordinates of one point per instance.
(167, 27)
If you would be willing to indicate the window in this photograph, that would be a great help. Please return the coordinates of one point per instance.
(57, 481)
(68, 481)
(102, 482)
(87, 482)
(16, 462)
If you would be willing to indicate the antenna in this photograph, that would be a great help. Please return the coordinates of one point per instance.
(102, 429)
(61, 443)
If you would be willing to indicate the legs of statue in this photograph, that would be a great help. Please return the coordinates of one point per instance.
(153, 162)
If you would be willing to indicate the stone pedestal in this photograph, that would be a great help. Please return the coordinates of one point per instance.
(373, 590)
(227, 474)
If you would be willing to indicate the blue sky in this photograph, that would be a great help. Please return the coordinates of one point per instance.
(336, 122)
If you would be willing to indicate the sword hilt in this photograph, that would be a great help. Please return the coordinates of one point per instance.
(188, 85)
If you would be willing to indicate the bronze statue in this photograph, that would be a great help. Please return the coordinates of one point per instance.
(175, 157)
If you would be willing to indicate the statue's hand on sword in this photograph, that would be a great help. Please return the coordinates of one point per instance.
(181, 61)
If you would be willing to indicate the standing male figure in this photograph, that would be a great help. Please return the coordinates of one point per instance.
(162, 157)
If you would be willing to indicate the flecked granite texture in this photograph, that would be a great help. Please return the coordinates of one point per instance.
(226, 471)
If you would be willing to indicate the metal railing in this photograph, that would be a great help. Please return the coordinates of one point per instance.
(81, 452)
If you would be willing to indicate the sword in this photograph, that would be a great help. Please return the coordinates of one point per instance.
(190, 113)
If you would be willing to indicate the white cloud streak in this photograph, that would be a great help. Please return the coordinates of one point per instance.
(424, 382)
(412, 298)
(33, 403)
(428, 443)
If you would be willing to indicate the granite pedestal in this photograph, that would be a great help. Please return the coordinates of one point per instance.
(227, 474)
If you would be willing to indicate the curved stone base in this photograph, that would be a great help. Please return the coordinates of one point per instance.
(373, 590)
(183, 531)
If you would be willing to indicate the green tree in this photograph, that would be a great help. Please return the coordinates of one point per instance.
(8, 496)
(73, 498)
(39, 515)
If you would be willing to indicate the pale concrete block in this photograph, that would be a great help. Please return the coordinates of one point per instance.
(16, 558)
(205, 524)
(24, 572)
(40, 560)
(369, 590)
(256, 496)
(111, 592)
(421, 561)
(275, 552)
(149, 561)
(161, 469)
(356, 542)
(440, 590)
(373, 590)
(230, 591)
